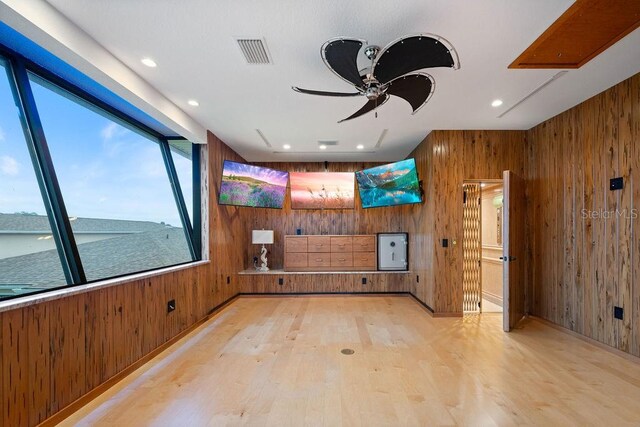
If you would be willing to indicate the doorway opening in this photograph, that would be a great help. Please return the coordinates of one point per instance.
(482, 246)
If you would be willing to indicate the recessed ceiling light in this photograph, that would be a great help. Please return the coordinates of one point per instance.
(149, 62)
(360, 146)
(483, 185)
(193, 102)
(286, 146)
(496, 103)
(323, 147)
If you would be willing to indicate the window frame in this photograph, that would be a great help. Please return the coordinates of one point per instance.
(18, 69)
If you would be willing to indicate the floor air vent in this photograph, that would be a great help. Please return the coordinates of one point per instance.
(254, 51)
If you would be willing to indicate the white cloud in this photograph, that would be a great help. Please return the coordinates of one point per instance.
(9, 166)
(113, 131)
(108, 131)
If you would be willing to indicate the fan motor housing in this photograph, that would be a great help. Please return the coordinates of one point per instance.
(373, 92)
(371, 51)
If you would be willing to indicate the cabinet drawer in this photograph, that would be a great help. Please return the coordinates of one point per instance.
(341, 259)
(364, 259)
(293, 260)
(319, 259)
(364, 243)
(295, 244)
(319, 243)
(341, 244)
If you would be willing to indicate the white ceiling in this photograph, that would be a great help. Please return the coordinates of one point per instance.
(194, 44)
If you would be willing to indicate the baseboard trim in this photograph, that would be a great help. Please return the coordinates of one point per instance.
(496, 299)
(307, 294)
(451, 314)
(628, 356)
(423, 304)
(74, 406)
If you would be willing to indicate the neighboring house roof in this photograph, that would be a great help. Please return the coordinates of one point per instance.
(39, 224)
(101, 259)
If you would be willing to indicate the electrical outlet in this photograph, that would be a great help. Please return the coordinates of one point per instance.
(364, 280)
(280, 281)
(616, 183)
(171, 305)
(445, 243)
(618, 312)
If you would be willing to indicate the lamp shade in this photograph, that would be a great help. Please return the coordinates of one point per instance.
(262, 237)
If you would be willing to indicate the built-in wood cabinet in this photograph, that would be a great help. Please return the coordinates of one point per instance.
(330, 253)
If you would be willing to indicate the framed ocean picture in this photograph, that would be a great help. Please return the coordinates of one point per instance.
(389, 185)
(253, 186)
(322, 190)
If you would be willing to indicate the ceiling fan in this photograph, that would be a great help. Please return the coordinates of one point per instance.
(393, 69)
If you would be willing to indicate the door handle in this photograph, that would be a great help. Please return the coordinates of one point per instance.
(508, 258)
(512, 258)
(503, 258)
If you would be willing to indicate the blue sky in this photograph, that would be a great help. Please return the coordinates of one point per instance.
(271, 176)
(104, 169)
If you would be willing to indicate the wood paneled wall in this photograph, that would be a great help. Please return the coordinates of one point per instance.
(54, 352)
(326, 283)
(330, 221)
(582, 264)
(445, 160)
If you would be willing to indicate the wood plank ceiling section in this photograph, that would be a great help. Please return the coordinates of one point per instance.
(586, 29)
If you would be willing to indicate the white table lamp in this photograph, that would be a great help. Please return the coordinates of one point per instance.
(262, 237)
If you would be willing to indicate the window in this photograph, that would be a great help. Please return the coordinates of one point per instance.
(182, 153)
(115, 187)
(86, 191)
(29, 260)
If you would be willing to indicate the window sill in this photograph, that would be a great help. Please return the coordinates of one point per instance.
(29, 300)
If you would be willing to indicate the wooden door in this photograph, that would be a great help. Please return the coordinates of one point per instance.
(513, 247)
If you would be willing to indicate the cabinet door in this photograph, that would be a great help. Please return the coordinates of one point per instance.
(365, 260)
(341, 259)
(295, 244)
(319, 243)
(364, 243)
(319, 259)
(342, 244)
(295, 260)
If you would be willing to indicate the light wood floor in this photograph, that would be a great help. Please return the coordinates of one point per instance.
(277, 361)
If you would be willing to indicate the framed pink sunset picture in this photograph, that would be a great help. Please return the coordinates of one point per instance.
(322, 190)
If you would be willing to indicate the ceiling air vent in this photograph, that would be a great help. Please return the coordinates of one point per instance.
(254, 50)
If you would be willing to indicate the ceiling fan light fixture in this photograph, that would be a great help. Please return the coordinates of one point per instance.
(394, 70)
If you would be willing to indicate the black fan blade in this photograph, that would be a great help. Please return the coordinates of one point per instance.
(341, 55)
(323, 93)
(413, 53)
(369, 106)
(416, 89)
